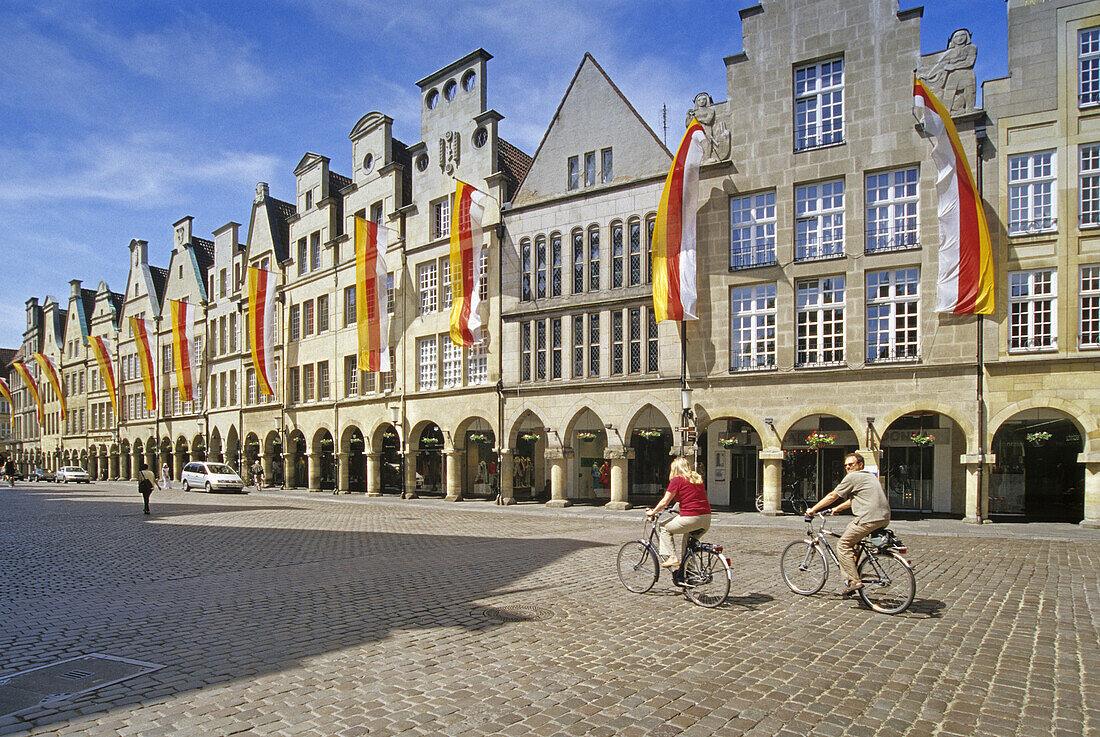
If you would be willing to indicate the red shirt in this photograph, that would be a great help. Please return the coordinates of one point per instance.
(692, 497)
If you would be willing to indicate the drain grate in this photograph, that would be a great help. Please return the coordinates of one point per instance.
(46, 684)
(517, 613)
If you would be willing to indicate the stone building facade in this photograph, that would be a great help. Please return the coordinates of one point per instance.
(817, 333)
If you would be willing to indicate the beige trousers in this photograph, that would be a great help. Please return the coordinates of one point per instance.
(848, 547)
(680, 526)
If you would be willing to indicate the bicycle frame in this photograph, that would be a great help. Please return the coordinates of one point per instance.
(651, 541)
(817, 537)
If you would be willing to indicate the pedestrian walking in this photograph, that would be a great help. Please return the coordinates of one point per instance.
(165, 476)
(146, 482)
(9, 471)
(258, 474)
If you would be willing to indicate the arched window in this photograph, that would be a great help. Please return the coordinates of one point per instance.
(525, 270)
(593, 258)
(577, 238)
(540, 267)
(634, 274)
(616, 254)
(650, 222)
(555, 264)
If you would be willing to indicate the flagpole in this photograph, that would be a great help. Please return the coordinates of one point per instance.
(980, 135)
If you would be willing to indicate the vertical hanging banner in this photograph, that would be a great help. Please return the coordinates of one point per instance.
(53, 377)
(5, 392)
(674, 288)
(261, 326)
(102, 354)
(372, 317)
(183, 346)
(467, 215)
(32, 387)
(965, 282)
(140, 329)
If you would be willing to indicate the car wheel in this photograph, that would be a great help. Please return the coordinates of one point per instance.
(186, 486)
(65, 480)
(209, 488)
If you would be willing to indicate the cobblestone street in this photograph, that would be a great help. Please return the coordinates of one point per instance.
(284, 613)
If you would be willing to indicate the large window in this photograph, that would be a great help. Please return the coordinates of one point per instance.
(578, 346)
(572, 173)
(555, 264)
(351, 375)
(295, 323)
(308, 382)
(752, 230)
(1031, 308)
(577, 239)
(652, 343)
(892, 210)
(525, 351)
(308, 315)
(525, 270)
(477, 364)
(635, 271)
(892, 315)
(1031, 197)
(446, 297)
(540, 267)
(540, 349)
(555, 348)
(589, 168)
(1089, 185)
(315, 250)
(819, 322)
(295, 386)
(606, 174)
(634, 340)
(593, 258)
(752, 327)
(322, 313)
(427, 375)
(323, 385)
(819, 221)
(1088, 67)
(426, 285)
(349, 306)
(594, 344)
(616, 255)
(441, 217)
(616, 342)
(1090, 307)
(819, 104)
(303, 256)
(452, 362)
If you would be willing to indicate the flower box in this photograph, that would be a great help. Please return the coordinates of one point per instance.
(587, 437)
(651, 434)
(922, 439)
(728, 442)
(1038, 439)
(530, 437)
(820, 439)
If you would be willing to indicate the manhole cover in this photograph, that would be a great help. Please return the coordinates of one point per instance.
(517, 613)
(48, 683)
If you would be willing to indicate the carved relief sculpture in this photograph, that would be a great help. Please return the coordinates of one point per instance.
(261, 191)
(718, 136)
(951, 78)
(448, 152)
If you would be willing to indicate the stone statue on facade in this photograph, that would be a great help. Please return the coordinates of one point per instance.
(951, 78)
(261, 191)
(448, 152)
(718, 136)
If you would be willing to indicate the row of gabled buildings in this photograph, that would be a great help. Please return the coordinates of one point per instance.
(817, 336)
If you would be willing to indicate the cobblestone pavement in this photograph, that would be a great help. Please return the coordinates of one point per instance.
(284, 613)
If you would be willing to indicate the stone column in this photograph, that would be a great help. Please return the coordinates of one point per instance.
(773, 481)
(313, 471)
(452, 468)
(267, 460)
(975, 514)
(92, 468)
(618, 458)
(556, 457)
(410, 476)
(506, 494)
(343, 471)
(124, 467)
(177, 467)
(114, 466)
(374, 474)
(288, 470)
(1092, 489)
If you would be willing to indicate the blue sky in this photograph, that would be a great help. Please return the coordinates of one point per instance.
(120, 118)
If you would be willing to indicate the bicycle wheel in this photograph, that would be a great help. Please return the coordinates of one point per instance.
(888, 583)
(706, 578)
(637, 567)
(799, 505)
(804, 568)
(760, 502)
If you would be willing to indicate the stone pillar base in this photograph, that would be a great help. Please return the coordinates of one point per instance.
(507, 501)
(453, 498)
(374, 493)
(772, 513)
(618, 506)
(409, 495)
(558, 503)
(1090, 524)
(971, 521)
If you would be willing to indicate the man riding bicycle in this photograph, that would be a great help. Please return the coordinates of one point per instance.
(861, 491)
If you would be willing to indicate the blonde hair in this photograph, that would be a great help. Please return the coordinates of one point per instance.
(682, 467)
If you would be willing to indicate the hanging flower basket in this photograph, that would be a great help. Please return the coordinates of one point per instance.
(922, 439)
(389, 434)
(587, 437)
(818, 439)
(530, 437)
(728, 442)
(651, 434)
(431, 441)
(477, 437)
(1038, 439)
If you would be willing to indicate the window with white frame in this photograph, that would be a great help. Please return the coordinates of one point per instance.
(1088, 210)
(250, 386)
(295, 323)
(426, 285)
(303, 256)
(555, 264)
(1032, 305)
(295, 385)
(307, 318)
(752, 230)
(819, 221)
(819, 104)
(389, 293)
(1088, 67)
(483, 275)
(441, 217)
(389, 378)
(617, 254)
(892, 210)
(315, 250)
(525, 351)
(540, 266)
(1031, 195)
(593, 258)
(893, 315)
(322, 315)
(427, 374)
(819, 322)
(349, 306)
(452, 362)
(477, 364)
(309, 378)
(445, 295)
(1090, 307)
(323, 383)
(752, 327)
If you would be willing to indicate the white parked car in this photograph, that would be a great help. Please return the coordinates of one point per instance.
(210, 477)
(76, 474)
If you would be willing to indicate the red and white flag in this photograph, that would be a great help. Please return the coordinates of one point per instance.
(372, 317)
(674, 280)
(467, 244)
(261, 326)
(183, 346)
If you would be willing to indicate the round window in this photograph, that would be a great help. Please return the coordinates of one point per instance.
(432, 99)
(368, 162)
(469, 80)
(422, 162)
(449, 90)
(481, 137)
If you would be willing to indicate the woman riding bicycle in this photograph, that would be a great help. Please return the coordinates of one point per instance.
(686, 487)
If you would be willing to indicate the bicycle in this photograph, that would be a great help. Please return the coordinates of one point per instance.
(704, 573)
(796, 502)
(888, 581)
